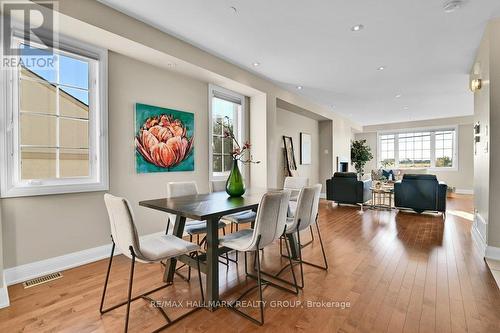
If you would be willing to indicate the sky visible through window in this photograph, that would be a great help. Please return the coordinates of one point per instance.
(73, 73)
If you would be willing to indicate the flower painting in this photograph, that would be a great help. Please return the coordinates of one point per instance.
(164, 139)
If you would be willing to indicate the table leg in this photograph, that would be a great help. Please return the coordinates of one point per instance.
(168, 275)
(212, 263)
(294, 245)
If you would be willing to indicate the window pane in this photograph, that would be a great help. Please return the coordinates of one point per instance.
(37, 96)
(74, 103)
(217, 163)
(217, 145)
(38, 130)
(74, 163)
(228, 162)
(38, 163)
(228, 145)
(73, 72)
(40, 63)
(74, 133)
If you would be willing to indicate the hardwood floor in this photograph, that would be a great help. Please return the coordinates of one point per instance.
(390, 272)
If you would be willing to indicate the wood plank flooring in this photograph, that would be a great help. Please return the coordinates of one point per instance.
(389, 272)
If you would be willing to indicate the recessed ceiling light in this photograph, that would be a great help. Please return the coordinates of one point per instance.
(452, 5)
(381, 68)
(299, 87)
(405, 107)
(234, 9)
(398, 96)
(256, 64)
(357, 27)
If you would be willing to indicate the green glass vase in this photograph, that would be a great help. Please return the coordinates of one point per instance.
(235, 186)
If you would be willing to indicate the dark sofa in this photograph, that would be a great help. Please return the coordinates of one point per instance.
(345, 188)
(420, 193)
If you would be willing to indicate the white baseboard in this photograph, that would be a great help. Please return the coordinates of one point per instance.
(464, 191)
(4, 294)
(478, 240)
(322, 195)
(492, 253)
(32, 270)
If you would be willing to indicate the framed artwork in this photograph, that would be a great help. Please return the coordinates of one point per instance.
(164, 139)
(305, 148)
(290, 165)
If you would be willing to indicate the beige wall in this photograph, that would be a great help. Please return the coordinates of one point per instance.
(292, 124)
(487, 158)
(462, 179)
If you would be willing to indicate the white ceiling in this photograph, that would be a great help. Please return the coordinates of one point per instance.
(427, 52)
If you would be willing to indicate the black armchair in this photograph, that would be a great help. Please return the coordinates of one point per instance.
(420, 193)
(345, 188)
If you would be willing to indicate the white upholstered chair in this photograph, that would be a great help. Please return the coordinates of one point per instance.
(305, 217)
(295, 184)
(217, 185)
(269, 225)
(153, 250)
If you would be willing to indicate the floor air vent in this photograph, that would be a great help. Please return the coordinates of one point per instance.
(42, 279)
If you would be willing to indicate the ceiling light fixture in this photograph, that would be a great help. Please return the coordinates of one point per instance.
(452, 5)
(256, 64)
(405, 107)
(357, 27)
(299, 87)
(398, 96)
(234, 9)
(381, 68)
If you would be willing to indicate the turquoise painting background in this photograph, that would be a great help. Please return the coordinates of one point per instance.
(143, 112)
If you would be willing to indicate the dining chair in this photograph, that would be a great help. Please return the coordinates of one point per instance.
(217, 185)
(269, 226)
(305, 216)
(191, 227)
(151, 250)
(295, 184)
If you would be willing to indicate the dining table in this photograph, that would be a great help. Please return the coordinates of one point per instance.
(208, 207)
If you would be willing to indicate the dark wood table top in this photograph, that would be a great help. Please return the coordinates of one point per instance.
(206, 206)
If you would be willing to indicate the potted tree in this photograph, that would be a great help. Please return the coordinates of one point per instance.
(360, 155)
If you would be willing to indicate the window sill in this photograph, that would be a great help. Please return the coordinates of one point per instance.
(29, 191)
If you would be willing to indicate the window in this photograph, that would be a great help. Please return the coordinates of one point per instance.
(227, 107)
(54, 130)
(418, 149)
(387, 150)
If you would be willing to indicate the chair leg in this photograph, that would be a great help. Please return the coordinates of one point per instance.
(130, 283)
(199, 279)
(107, 276)
(168, 225)
(259, 282)
(312, 234)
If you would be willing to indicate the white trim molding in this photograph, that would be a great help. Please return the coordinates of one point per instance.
(4, 294)
(492, 253)
(32, 270)
(464, 191)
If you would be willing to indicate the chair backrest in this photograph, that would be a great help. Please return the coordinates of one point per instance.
(271, 218)
(122, 224)
(179, 189)
(295, 184)
(218, 185)
(307, 208)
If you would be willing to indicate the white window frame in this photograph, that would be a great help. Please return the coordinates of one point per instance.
(432, 130)
(240, 122)
(11, 184)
